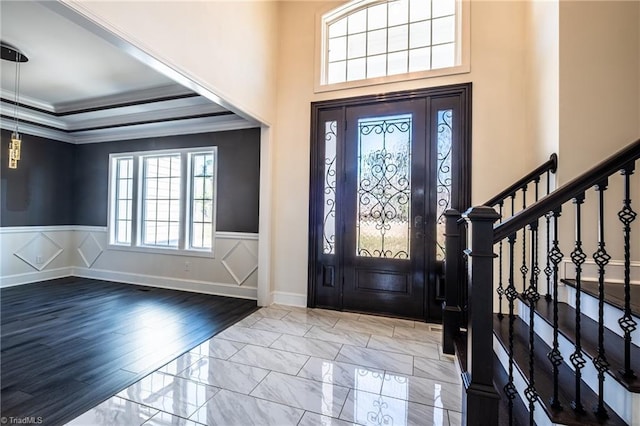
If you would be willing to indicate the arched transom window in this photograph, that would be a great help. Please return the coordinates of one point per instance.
(369, 39)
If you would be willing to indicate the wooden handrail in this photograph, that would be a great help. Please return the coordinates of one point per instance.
(550, 165)
(568, 191)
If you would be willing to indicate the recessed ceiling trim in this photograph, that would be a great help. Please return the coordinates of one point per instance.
(184, 127)
(151, 121)
(26, 101)
(119, 117)
(36, 130)
(138, 97)
(36, 118)
(152, 130)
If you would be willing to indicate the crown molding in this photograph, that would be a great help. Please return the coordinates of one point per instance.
(140, 131)
(178, 127)
(10, 95)
(34, 130)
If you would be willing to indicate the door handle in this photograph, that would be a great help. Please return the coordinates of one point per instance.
(417, 222)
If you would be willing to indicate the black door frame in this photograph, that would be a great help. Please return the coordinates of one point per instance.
(320, 276)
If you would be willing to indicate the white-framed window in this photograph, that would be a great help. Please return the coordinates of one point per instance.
(377, 41)
(163, 201)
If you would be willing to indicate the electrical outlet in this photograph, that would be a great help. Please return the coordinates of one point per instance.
(186, 266)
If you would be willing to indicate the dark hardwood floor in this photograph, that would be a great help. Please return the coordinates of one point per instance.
(68, 344)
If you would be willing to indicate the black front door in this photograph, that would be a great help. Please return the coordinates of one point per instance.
(383, 173)
(383, 208)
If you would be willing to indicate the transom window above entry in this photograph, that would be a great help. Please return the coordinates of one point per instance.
(374, 39)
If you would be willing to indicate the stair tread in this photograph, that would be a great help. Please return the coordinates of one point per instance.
(613, 343)
(544, 377)
(613, 293)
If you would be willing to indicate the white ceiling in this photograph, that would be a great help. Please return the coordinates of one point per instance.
(71, 69)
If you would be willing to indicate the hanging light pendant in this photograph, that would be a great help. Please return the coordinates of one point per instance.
(10, 53)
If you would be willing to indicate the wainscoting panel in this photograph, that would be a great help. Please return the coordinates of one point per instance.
(89, 249)
(29, 253)
(38, 253)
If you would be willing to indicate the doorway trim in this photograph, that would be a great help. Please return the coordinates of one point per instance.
(80, 15)
(463, 194)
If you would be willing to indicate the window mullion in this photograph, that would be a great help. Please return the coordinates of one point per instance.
(185, 201)
(136, 208)
(386, 49)
(431, 36)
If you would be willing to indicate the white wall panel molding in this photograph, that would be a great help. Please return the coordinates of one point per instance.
(218, 289)
(614, 271)
(224, 235)
(39, 251)
(30, 277)
(289, 299)
(36, 253)
(240, 262)
(89, 249)
(85, 228)
(33, 229)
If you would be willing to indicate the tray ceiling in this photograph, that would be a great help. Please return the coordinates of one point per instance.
(79, 88)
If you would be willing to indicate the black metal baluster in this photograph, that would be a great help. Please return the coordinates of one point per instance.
(578, 257)
(511, 294)
(555, 356)
(500, 286)
(627, 323)
(524, 270)
(548, 271)
(602, 258)
(534, 233)
(531, 295)
(535, 268)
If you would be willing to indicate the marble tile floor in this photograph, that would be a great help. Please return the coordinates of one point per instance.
(295, 366)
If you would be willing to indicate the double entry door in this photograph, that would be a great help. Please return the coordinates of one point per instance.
(384, 170)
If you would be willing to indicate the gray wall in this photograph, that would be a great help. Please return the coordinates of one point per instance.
(76, 191)
(40, 190)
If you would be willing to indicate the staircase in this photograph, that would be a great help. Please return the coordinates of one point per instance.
(542, 299)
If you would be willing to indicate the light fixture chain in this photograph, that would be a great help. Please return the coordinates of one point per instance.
(17, 88)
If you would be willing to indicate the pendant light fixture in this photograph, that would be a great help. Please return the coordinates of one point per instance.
(10, 53)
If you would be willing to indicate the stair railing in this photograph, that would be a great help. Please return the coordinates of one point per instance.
(454, 312)
(480, 395)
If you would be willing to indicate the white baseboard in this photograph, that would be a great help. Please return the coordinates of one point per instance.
(30, 277)
(218, 289)
(289, 299)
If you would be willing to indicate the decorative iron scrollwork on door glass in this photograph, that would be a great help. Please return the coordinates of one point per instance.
(443, 176)
(384, 187)
(329, 221)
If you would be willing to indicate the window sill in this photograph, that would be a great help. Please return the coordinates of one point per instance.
(163, 251)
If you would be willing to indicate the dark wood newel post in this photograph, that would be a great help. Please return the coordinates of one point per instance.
(480, 398)
(451, 310)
